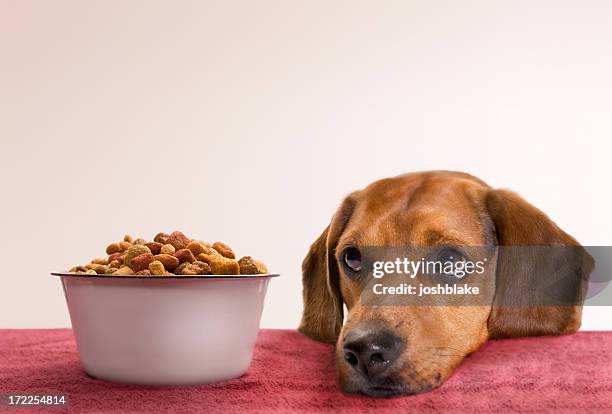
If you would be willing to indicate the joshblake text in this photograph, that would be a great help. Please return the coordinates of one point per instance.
(421, 290)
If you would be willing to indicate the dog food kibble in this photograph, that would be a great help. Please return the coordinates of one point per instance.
(124, 270)
(169, 255)
(196, 248)
(179, 269)
(155, 247)
(185, 255)
(100, 269)
(202, 267)
(178, 240)
(114, 256)
(170, 262)
(224, 249)
(157, 268)
(141, 262)
(196, 268)
(161, 238)
(113, 248)
(167, 249)
(250, 266)
(135, 250)
(220, 265)
(261, 266)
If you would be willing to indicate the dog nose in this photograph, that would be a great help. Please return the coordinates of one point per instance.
(371, 352)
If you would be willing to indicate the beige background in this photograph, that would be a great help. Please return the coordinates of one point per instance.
(248, 121)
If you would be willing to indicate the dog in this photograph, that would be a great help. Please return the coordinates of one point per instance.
(384, 351)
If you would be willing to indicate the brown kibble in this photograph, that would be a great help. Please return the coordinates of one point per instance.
(227, 267)
(179, 269)
(263, 269)
(208, 252)
(170, 262)
(161, 238)
(196, 268)
(102, 269)
(135, 250)
(248, 266)
(178, 240)
(184, 255)
(211, 251)
(125, 270)
(167, 249)
(206, 258)
(220, 265)
(78, 269)
(113, 248)
(224, 250)
(189, 270)
(141, 262)
(155, 247)
(113, 257)
(170, 254)
(203, 267)
(196, 247)
(157, 268)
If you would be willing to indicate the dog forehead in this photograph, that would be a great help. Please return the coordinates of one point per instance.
(436, 188)
(420, 209)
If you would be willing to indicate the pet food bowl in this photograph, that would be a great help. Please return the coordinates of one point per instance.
(165, 330)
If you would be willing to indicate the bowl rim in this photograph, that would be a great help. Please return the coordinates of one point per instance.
(162, 277)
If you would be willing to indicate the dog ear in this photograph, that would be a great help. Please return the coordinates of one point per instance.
(323, 305)
(542, 258)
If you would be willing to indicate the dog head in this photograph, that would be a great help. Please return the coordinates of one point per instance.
(390, 350)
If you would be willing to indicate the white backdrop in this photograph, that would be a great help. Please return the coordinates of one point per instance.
(249, 121)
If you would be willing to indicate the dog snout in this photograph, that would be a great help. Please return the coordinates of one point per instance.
(371, 352)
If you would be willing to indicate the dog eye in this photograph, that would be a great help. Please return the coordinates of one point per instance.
(450, 257)
(352, 259)
(450, 254)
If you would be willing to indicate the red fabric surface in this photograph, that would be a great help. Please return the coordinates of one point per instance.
(291, 373)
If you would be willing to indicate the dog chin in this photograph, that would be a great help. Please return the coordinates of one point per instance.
(385, 389)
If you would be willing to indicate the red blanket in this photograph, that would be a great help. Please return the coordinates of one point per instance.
(291, 373)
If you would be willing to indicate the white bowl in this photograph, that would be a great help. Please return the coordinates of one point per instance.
(166, 330)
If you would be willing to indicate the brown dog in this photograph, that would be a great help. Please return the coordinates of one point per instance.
(390, 350)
